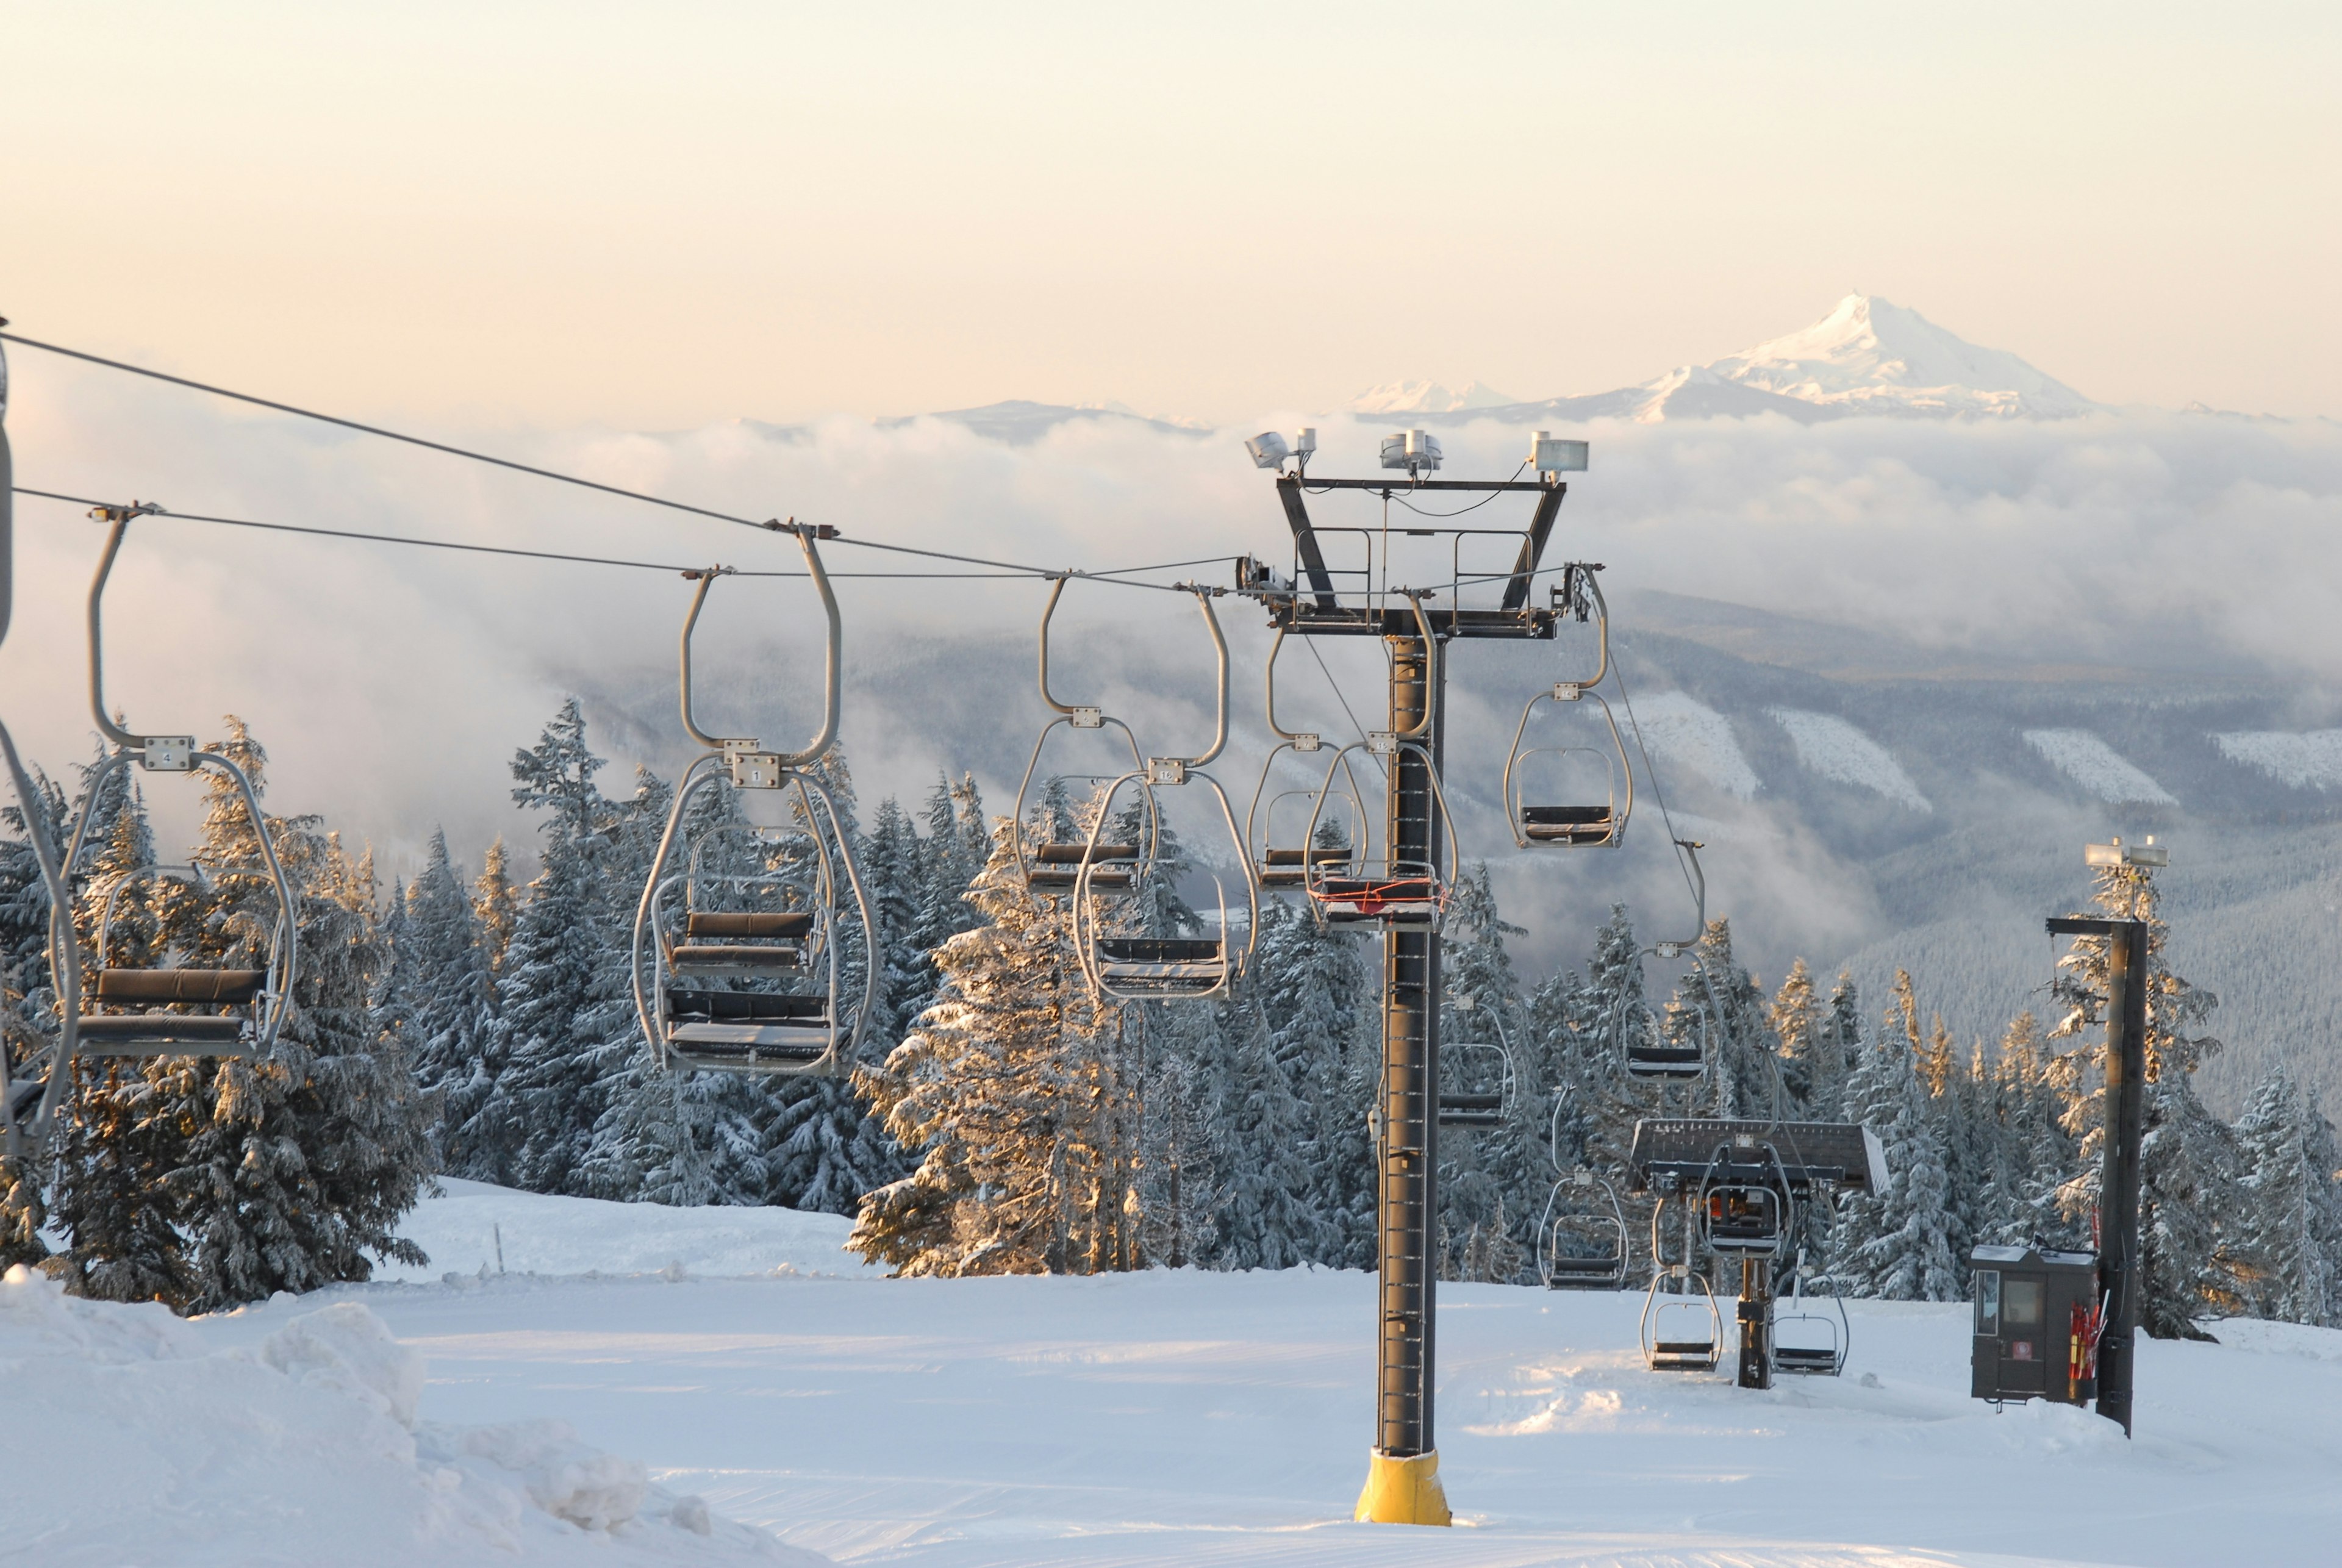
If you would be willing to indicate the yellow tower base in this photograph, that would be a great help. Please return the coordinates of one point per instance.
(1403, 1491)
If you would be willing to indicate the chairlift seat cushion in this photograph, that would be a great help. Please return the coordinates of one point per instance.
(766, 925)
(156, 987)
(715, 957)
(757, 1007)
(1331, 855)
(161, 1034)
(1563, 815)
(1804, 1359)
(1076, 854)
(1160, 949)
(1664, 1061)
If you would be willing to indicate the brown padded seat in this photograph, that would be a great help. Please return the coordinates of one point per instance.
(746, 1007)
(1323, 855)
(769, 924)
(1074, 854)
(153, 988)
(1160, 949)
(703, 956)
(113, 1033)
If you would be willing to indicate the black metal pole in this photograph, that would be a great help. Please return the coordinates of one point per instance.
(1407, 1201)
(2118, 1184)
(1756, 1313)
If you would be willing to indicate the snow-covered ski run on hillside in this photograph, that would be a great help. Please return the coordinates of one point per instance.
(726, 1386)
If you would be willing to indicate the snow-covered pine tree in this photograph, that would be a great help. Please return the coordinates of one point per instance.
(2190, 1165)
(1267, 1202)
(2290, 1240)
(565, 1018)
(995, 1091)
(27, 997)
(1808, 1072)
(1312, 984)
(438, 998)
(1487, 1175)
(1896, 1244)
(1720, 1004)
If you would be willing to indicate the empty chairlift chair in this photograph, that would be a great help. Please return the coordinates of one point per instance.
(1130, 966)
(1478, 1109)
(180, 1006)
(1055, 865)
(1572, 793)
(1647, 1051)
(737, 970)
(1582, 1235)
(1683, 1329)
(1284, 850)
(1808, 1342)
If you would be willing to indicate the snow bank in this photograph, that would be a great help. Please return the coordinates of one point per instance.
(2310, 759)
(2097, 767)
(126, 1444)
(1839, 751)
(475, 1227)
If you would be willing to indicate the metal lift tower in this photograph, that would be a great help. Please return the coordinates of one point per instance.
(1339, 600)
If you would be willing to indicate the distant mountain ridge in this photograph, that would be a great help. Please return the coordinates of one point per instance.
(1868, 356)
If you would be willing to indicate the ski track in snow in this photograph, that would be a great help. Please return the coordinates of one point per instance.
(2097, 767)
(2308, 759)
(1141, 1420)
(1687, 732)
(1839, 751)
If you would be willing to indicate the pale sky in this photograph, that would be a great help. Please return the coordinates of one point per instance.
(657, 216)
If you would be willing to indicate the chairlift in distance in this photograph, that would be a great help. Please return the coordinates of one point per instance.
(1648, 1052)
(1580, 820)
(765, 1032)
(1582, 1247)
(1131, 968)
(1682, 1330)
(1476, 1110)
(1383, 890)
(139, 1007)
(1741, 1215)
(1826, 1342)
(1096, 866)
(1280, 863)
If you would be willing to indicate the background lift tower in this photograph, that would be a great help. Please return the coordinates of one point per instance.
(1402, 1478)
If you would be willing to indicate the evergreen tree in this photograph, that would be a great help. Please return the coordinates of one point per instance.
(999, 1090)
(2291, 1244)
(438, 999)
(1896, 1244)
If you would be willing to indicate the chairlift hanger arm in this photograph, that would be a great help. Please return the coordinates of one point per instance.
(118, 519)
(1220, 722)
(833, 649)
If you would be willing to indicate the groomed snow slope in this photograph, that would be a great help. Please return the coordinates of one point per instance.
(1190, 1418)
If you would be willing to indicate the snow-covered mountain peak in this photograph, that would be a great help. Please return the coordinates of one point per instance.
(1870, 355)
(1426, 397)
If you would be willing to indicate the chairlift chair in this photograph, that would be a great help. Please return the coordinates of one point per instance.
(1477, 1109)
(1584, 817)
(1815, 1345)
(1684, 1330)
(1139, 968)
(1648, 1052)
(1582, 1248)
(754, 991)
(1747, 1217)
(141, 1009)
(1099, 867)
(1283, 861)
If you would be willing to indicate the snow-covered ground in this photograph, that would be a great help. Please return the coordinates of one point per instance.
(1149, 1419)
